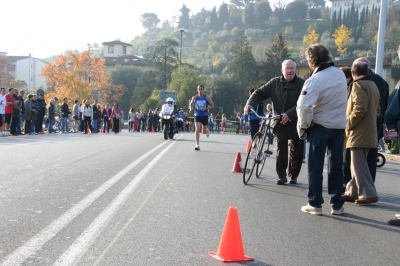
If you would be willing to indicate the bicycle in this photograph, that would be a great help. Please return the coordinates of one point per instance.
(70, 124)
(256, 156)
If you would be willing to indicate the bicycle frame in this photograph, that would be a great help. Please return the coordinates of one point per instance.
(257, 160)
(264, 130)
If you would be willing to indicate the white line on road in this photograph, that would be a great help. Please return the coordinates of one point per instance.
(88, 237)
(34, 244)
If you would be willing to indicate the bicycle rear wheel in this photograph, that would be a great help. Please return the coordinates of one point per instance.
(264, 156)
(251, 158)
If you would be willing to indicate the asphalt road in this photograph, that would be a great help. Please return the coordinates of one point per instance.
(136, 199)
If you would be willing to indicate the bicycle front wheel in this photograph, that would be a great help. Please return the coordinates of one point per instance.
(251, 158)
(71, 126)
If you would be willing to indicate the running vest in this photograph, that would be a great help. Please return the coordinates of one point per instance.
(200, 102)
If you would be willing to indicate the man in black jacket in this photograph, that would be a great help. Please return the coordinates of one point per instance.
(41, 105)
(95, 117)
(22, 106)
(284, 92)
(64, 116)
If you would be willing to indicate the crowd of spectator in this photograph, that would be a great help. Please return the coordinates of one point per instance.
(31, 115)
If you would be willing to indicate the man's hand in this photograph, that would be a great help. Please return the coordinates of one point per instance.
(247, 109)
(285, 118)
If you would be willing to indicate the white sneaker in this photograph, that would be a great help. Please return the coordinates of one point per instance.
(197, 148)
(208, 134)
(311, 210)
(337, 212)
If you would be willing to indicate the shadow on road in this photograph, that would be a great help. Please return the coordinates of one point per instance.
(355, 219)
(254, 262)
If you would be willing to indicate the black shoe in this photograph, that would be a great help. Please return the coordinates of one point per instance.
(293, 181)
(268, 152)
(281, 181)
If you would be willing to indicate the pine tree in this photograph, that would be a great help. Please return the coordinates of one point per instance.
(249, 18)
(242, 66)
(184, 20)
(278, 52)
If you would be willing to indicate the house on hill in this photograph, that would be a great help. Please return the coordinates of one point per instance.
(120, 53)
(360, 4)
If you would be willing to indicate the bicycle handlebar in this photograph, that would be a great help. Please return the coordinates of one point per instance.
(278, 117)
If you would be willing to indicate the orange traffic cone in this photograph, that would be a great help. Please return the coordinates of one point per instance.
(88, 130)
(237, 166)
(248, 145)
(152, 129)
(43, 129)
(231, 245)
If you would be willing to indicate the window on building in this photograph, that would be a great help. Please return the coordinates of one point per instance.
(111, 49)
(123, 49)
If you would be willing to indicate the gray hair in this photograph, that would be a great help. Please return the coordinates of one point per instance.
(288, 61)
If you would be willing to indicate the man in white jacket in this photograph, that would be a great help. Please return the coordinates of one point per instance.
(321, 111)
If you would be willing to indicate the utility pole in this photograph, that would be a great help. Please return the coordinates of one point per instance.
(381, 39)
(181, 30)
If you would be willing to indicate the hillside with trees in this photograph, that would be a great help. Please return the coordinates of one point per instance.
(238, 46)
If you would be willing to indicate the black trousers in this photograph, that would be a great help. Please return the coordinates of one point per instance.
(295, 160)
(39, 124)
(87, 122)
(13, 125)
(115, 125)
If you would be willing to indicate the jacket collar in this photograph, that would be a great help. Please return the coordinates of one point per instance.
(323, 66)
(367, 77)
(292, 81)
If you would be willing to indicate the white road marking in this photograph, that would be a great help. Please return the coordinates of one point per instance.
(88, 237)
(34, 244)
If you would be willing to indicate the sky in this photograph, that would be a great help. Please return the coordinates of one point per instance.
(44, 28)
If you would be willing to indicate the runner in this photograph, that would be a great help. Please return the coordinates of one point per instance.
(202, 103)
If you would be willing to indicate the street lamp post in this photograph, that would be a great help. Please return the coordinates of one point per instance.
(181, 30)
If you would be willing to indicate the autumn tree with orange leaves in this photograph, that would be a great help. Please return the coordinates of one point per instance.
(6, 71)
(80, 76)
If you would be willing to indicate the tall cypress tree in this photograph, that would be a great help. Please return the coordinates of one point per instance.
(214, 22)
(333, 23)
(223, 15)
(339, 20)
(362, 17)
